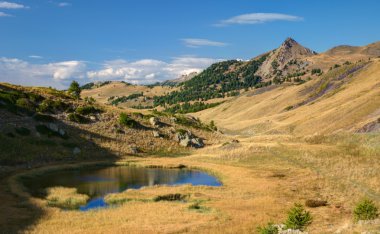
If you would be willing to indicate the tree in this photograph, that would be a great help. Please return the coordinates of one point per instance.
(75, 90)
(298, 218)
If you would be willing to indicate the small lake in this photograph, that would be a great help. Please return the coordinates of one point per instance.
(100, 181)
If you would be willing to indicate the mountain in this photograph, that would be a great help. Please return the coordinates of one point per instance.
(278, 61)
(308, 77)
(344, 99)
(179, 80)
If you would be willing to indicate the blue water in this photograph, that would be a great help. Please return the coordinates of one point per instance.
(98, 182)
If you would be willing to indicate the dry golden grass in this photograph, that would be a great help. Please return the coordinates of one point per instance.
(348, 108)
(67, 198)
(261, 180)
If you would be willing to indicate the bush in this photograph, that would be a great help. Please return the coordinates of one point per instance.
(22, 131)
(127, 121)
(44, 130)
(44, 118)
(51, 106)
(270, 228)
(366, 210)
(298, 218)
(77, 118)
(315, 203)
(86, 110)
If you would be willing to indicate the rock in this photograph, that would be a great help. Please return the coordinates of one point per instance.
(197, 142)
(134, 150)
(235, 141)
(173, 119)
(76, 151)
(154, 121)
(61, 132)
(187, 139)
(53, 127)
(185, 142)
(93, 118)
(156, 134)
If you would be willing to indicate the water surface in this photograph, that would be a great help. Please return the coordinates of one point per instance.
(98, 182)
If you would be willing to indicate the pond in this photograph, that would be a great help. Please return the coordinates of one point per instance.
(100, 181)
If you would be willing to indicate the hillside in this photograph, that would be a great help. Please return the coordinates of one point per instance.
(346, 98)
(111, 91)
(52, 126)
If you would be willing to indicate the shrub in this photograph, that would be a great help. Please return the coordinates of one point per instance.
(44, 130)
(86, 110)
(52, 106)
(288, 108)
(270, 228)
(22, 131)
(25, 104)
(315, 203)
(170, 197)
(298, 218)
(366, 210)
(44, 118)
(127, 121)
(77, 118)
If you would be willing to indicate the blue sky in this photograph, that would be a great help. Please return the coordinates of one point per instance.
(50, 43)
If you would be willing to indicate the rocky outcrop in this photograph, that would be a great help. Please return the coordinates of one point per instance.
(156, 134)
(279, 59)
(187, 139)
(155, 122)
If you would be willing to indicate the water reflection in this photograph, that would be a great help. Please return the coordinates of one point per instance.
(97, 182)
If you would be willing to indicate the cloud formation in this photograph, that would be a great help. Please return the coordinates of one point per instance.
(149, 70)
(51, 74)
(196, 42)
(60, 74)
(11, 5)
(2, 14)
(64, 4)
(258, 18)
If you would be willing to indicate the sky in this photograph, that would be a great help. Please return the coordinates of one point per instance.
(52, 42)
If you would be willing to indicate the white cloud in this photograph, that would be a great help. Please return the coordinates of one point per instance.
(60, 74)
(51, 74)
(35, 56)
(149, 70)
(2, 14)
(196, 42)
(257, 18)
(64, 4)
(11, 5)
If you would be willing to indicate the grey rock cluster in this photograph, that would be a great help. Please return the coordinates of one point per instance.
(187, 139)
(54, 127)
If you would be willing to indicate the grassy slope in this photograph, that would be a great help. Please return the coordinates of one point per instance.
(348, 107)
(102, 94)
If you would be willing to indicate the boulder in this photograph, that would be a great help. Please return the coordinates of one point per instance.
(197, 142)
(187, 139)
(156, 134)
(185, 142)
(77, 151)
(154, 121)
(62, 132)
(53, 127)
(134, 150)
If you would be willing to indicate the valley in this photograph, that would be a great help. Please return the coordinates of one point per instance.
(289, 126)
